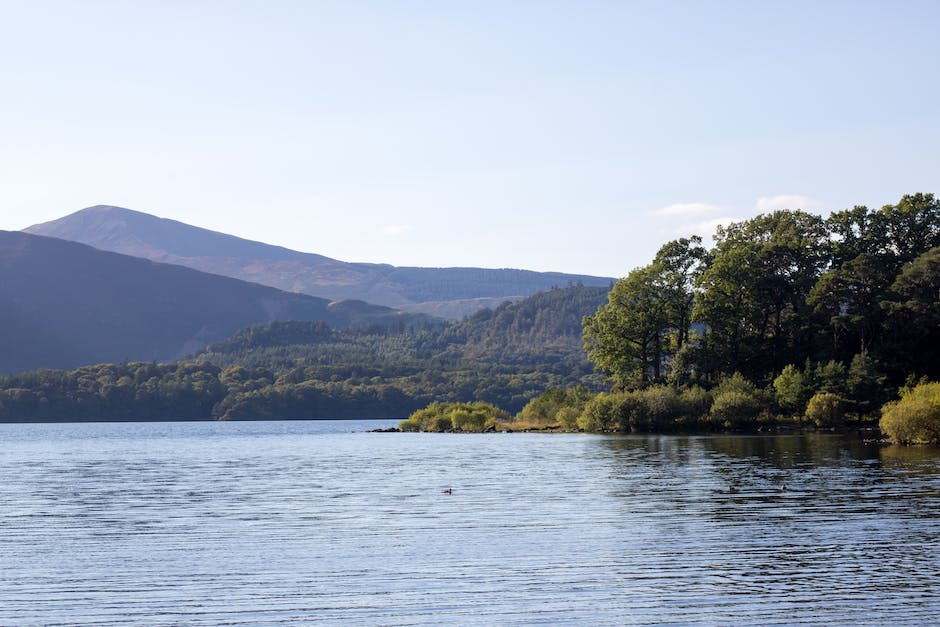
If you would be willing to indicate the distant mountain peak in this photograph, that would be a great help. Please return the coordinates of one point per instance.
(454, 292)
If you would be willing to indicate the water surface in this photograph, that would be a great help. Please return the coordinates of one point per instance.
(304, 522)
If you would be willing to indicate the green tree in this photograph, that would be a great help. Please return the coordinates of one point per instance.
(754, 289)
(913, 317)
(790, 390)
(624, 338)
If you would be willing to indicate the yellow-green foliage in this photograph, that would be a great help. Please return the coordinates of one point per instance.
(409, 425)
(599, 413)
(790, 390)
(736, 403)
(653, 409)
(915, 419)
(555, 407)
(567, 418)
(826, 409)
(696, 401)
(475, 416)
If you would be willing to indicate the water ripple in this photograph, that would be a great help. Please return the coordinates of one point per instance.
(284, 523)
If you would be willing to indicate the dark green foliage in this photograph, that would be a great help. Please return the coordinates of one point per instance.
(127, 391)
(307, 370)
(647, 316)
(855, 297)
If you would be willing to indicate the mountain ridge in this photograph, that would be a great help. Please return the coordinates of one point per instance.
(65, 304)
(449, 292)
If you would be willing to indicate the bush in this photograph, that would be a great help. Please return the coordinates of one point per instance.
(599, 413)
(409, 425)
(915, 419)
(460, 416)
(696, 402)
(464, 420)
(656, 408)
(567, 418)
(659, 409)
(735, 409)
(737, 403)
(547, 407)
(439, 424)
(826, 409)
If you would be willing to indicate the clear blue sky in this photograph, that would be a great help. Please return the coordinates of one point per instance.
(575, 136)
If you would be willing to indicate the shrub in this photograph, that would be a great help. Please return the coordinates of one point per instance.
(915, 419)
(735, 409)
(464, 420)
(659, 408)
(567, 418)
(446, 416)
(599, 413)
(409, 425)
(826, 409)
(696, 402)
(546, 407)
(440, 424)
(737, 403)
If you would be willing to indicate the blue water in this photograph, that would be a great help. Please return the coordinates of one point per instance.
(277, 523)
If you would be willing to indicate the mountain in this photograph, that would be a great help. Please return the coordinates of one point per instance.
(446, 292)
(63, 304)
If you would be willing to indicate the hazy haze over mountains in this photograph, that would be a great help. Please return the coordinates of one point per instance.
(446, 292)
(64, 304)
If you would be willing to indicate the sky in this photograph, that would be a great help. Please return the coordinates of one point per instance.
(573, 136)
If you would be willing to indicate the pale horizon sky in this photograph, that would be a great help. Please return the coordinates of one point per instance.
(567, 136)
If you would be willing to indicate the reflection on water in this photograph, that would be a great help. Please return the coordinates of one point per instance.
(283, 523)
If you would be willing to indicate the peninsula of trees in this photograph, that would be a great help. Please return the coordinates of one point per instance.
(790, 318)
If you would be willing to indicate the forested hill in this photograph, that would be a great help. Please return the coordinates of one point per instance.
(308, 369)
(64, 304)
(448, 292)
(542, 329)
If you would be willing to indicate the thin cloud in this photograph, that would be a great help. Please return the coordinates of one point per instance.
(707, 227)
(397, 229)
(687, 209)
(766, 204)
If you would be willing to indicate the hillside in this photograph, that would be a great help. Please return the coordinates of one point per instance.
(305, 369)
(64, 304)
(446, 292)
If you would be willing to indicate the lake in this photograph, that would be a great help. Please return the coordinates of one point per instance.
(271, 523)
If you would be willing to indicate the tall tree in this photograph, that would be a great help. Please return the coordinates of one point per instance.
(753, 298)
(624, 338)
(679, 263)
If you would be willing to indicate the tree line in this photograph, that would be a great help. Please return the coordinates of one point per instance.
(309, 370)
(847, 302)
